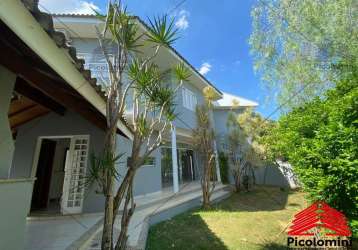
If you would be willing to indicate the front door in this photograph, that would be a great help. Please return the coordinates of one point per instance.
(40, 196)
(75, 174)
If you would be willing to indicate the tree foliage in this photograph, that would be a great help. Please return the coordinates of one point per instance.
(320, 140)
(297, 44)
(245, 148)
(203, 137)
(134, 78)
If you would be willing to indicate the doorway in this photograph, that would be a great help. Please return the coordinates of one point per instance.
(50, 174)
(186, 166)
(60, 165)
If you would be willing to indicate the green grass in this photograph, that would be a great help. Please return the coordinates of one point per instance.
(253, 220)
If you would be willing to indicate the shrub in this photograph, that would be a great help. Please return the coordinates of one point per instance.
(320, 139)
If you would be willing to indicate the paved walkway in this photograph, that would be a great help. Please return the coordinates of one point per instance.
(162, 209)
(57, 233)
(84, 231)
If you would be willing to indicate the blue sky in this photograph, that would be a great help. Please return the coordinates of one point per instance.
(213, 38)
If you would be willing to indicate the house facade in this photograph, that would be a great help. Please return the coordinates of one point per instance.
(176, 162)
(50, 111)
(53, 118)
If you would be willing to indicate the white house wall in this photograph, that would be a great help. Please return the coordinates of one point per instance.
(90, 48)
(148, 179)
(55, 125)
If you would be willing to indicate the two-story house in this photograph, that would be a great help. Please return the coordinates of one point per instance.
(52, 141)
(53, 117)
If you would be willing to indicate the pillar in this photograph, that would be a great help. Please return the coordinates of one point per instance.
(7, 83)
(175, 161)
(217, 162)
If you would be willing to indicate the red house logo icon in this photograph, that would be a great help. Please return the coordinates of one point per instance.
(319, 217)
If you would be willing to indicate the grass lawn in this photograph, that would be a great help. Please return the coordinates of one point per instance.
(253, 220)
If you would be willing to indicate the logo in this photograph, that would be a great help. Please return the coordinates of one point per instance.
(319, 225)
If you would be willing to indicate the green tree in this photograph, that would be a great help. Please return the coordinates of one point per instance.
(133, 76)
(297, 44)
(320, 140)
(245, 147)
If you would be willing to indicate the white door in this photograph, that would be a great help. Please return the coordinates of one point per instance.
(75, 174)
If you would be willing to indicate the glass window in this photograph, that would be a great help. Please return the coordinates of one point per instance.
(189, 99)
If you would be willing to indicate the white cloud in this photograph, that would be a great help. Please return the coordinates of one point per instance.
(182, 22)
(68, 6)
(205, 68)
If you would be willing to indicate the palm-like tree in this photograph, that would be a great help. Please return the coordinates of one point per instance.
(133, 76)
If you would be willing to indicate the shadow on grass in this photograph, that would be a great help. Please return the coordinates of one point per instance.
(174, 234)
(259, 199)
(273, 246)
(203, 230)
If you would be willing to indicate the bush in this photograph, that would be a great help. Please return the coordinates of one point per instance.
(320, 139)
(354, 227)
(224, 167)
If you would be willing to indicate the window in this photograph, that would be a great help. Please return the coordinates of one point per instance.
(150, 161)
(189, 99)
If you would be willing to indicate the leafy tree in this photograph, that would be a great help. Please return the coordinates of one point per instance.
(320, 140)
(307, 51)
(204, 137)
(246, 131)
(297, 44)
(133, 76)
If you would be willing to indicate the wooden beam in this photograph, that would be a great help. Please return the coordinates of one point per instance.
(29, 115)
(23, 109)
(24, 88)
(19, 103)
(58, 91)
(11, 45)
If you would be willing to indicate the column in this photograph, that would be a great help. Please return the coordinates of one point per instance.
(217, 162)
(175, 161)
(7, 82)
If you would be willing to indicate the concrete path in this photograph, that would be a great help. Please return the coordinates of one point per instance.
(55, 233)
(84, 231)
(157, 211)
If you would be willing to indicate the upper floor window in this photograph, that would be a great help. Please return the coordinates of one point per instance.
(189, 99)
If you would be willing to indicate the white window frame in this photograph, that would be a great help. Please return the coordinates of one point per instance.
(189, 99)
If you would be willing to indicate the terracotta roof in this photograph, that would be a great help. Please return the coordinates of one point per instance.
(147, 27)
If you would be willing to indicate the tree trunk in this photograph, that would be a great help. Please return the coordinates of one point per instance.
(107, 234)
(126, 216)
(126, 190)
(206, 183)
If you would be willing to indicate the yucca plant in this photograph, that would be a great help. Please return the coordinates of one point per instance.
(204, 137)
(133, 76)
